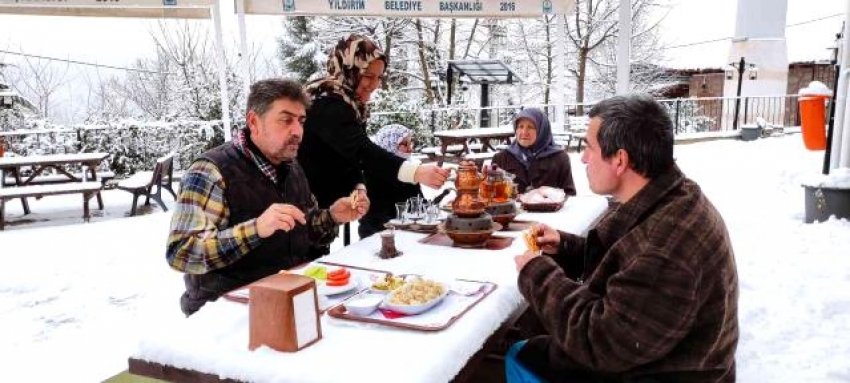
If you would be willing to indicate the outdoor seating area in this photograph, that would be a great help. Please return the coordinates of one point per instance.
(416, 192)
(27, 177)
(144, 183)
(86, 182)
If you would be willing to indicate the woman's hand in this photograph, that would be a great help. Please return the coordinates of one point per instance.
(431, 176)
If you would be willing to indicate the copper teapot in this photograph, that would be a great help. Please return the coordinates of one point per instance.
(496, 188)
(467, 203)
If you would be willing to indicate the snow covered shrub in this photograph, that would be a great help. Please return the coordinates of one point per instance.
(395, 107)
(136, 145)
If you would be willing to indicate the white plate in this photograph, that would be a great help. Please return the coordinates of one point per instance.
(413, 309)
(323, 289)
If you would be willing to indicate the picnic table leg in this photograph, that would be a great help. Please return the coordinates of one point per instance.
(158, 198)
(135, 201)
(16, 172)
(444, 145)
(485, 145)
(2, 213)
(94, 178)
(86, 215)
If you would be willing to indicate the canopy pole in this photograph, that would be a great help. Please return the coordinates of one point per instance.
(222, 70)
(560, 99)
(624, 46)
(841, 140)
(243, 49)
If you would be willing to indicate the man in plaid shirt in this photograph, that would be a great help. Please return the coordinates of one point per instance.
(651, 294)
(245, 210)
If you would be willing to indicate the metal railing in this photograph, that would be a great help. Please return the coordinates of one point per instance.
(689, 115)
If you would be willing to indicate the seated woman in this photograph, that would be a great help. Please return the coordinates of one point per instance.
(533, 157)
(383, 196)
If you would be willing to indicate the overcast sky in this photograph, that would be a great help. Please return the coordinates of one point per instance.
(119, 41)
(699, 20)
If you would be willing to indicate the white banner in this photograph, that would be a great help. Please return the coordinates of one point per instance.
(109, 8)
(411, 8)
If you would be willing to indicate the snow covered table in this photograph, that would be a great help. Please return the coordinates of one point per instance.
(464, 136)
(212, 345)
(67, 182)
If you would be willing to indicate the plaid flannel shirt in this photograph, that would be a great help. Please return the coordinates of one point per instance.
(659, 297)
(200, 239)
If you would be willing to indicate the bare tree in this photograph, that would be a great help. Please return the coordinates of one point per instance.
(423, 63)
(151, 88)
(104, 99)
(39, 80)
(594, 24)
(537, 39)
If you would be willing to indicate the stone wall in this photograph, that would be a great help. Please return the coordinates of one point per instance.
(706, 85)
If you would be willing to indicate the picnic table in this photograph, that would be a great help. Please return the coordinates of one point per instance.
(463, 137)
(212, 345)
(23, 187)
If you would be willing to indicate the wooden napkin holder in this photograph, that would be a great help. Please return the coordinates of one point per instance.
(284, 313)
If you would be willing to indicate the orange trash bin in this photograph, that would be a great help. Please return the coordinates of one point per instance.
(813, 121)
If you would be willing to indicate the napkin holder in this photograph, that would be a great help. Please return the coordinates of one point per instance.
(283, 313)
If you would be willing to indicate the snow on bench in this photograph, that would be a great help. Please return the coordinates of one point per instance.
(88, 189)
(56, 178)
(479, 158)
(42, 190)
(137, 180)
(451, 149)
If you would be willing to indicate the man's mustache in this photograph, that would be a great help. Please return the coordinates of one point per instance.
(295, 140)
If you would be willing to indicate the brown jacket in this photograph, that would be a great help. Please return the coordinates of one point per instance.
(554, 171)
(650, 295)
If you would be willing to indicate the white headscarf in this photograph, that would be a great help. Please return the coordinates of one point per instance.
(390, 136)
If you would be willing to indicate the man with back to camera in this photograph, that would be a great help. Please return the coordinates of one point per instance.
(651, 294)
(245, 210)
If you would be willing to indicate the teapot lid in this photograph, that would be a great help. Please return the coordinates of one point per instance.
(495, 171)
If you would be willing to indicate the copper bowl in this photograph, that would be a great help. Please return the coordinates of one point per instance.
(472, 239)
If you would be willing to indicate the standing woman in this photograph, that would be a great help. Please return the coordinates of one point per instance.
(335, 149)
(383, 196)
(533, 157)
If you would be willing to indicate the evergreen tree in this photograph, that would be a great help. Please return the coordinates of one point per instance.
(298, 50)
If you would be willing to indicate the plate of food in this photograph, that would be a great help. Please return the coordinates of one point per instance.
(330, 280)
(395, 222)
(544, 198)
(386, 284)
(415, 297)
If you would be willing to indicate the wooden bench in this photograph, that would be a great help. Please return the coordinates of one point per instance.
(562, 139)
(577, 126)
(580, 138)
(58, 178)
(451, 149)
(143, 183)
(453, 152)
(479, 158)
(87, 189)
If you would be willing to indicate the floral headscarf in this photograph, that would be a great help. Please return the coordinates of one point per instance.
(346, 63)
(390, 136)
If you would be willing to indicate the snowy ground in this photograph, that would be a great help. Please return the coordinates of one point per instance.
(66, 287)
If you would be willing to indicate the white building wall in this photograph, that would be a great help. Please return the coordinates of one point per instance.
(760, 40)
